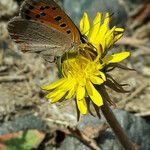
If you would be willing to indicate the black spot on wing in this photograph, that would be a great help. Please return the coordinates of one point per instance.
(53, 8)
(42, 14)
(47, 7)
(63, 25)
(68, 31)
(58, 18)
(43, 8)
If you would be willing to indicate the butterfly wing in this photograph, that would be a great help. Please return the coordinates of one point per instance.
(34, 37)
(50, 14)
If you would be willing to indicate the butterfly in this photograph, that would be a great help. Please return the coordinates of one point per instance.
(42, 27)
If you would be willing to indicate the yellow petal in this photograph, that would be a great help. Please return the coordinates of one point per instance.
(84, 24)
(54, 84)
(55, 93)
(119, 29)
(92, 37)
(96, 80)
(102, 75)
(94, 94)
(80, 93)
(70, 93)
(52, 94)
(55, 96)
(110, 32)
(67, 85)
(115, 57)
(58, 97)
(107, 18)
(82, 106)
(100, 66)
(110, 38)
(81, 26)
(103, 30)
(117, 37)
(106, 22)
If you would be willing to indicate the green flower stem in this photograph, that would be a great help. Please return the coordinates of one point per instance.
(114, 124)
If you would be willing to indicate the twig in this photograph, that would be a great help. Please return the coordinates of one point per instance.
(143, 13)
(131, 41)
(3, 68)
(138, 90)
(114, 124)
(142, 32)
(142, 51)
(12, 78)
(147, 113)
(85, 139)
(75, 132)
(58, 122)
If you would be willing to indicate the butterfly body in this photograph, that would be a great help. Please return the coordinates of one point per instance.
(43, 27)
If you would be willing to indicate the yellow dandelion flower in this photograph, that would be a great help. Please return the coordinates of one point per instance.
(99, 34)
(84, 72)
(79, 75)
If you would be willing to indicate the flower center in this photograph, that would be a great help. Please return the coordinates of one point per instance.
(79, 69)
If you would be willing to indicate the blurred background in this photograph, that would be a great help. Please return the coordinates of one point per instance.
(28, 121)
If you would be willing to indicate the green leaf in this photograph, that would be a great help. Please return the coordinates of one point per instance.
(23, 140)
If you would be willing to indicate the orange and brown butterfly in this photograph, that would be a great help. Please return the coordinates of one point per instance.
(43, 27)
